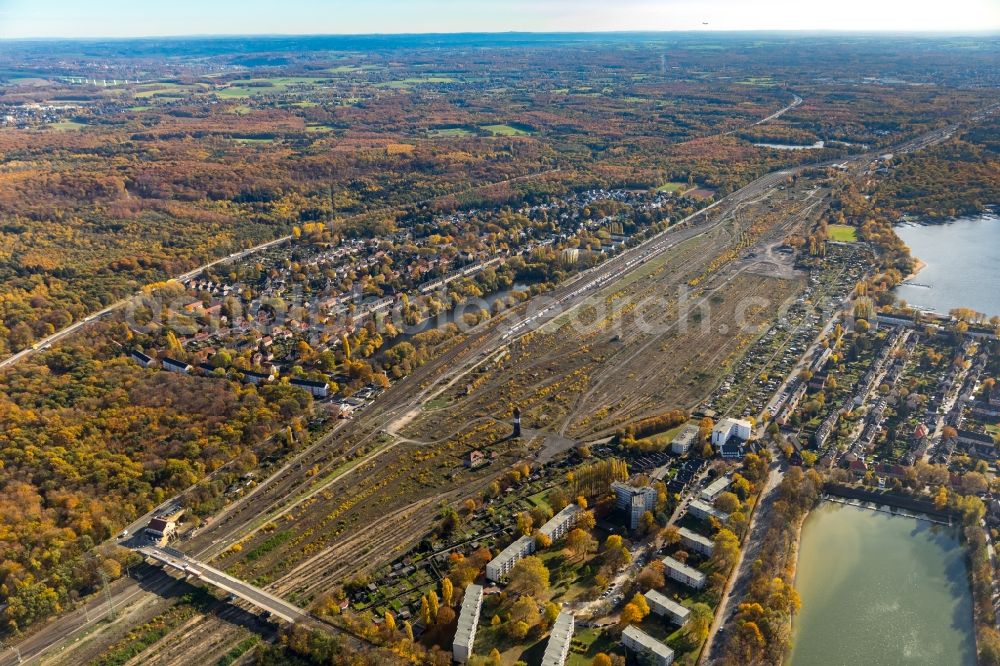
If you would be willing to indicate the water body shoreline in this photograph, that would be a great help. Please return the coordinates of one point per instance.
(880, 591)
(957, 261)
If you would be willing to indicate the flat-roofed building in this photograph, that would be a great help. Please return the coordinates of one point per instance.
(647, 650)
(173, 365)
(716, 488)
(682, 573)
(560, 524)
(664, 606)
(559, 640)
(468, 620)
(704, 511)
(685, 439)
(696, 542)
(498, 568)
(634, 501)
(727, 429)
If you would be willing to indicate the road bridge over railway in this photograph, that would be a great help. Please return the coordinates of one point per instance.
(277, 606)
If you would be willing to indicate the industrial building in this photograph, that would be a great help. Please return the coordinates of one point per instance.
(560, 524)
(716, 488)
(559, 640)
(664, 606)
(468, 619)
(684, 440)
(682, 573)
(647, 649)
(634, 501)
(704, 511)
(727, 429)
(498, 568)
(696, 542)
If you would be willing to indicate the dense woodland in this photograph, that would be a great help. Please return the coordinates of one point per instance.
(960, 177)
(90, 441)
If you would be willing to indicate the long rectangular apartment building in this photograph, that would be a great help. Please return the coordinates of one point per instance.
(560, 524)
(468, 620)
(498, 568)
(704, 511)
(664, 606)
(559, 640)
(647, 649)
(696, 542)
(682, 573)
(716, 488)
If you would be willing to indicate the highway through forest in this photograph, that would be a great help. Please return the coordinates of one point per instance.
(288, 488)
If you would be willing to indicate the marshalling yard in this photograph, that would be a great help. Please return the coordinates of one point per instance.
(375, 484)
(658, 326)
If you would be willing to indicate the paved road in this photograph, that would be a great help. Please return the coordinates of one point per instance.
(280, 491)
(738, 582)
(46, 342)
(774, 116)
(202, 571)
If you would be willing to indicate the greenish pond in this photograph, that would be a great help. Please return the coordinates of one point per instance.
(881, 590)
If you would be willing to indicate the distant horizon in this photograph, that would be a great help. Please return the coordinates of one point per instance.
(986, 32)
(126, 19)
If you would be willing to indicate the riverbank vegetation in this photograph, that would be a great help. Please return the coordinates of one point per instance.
(763, 622)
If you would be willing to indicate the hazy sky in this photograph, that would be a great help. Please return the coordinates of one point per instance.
(123, 18)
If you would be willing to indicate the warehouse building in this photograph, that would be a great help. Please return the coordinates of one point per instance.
(664, 606)
(682, 573)
(468, 619)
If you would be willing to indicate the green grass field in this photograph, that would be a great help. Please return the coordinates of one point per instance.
(588, 643)
(449, 132)
(242, 88)
(507, 130)
(672, 187)
(67, 126)
(842, 233)
(416, 80)
(167, 90)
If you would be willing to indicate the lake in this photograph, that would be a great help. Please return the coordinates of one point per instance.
(791, 146)
(881, 590)
(963, 264)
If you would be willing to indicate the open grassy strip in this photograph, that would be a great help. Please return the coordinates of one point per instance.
(238, 651)
(143, 636)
